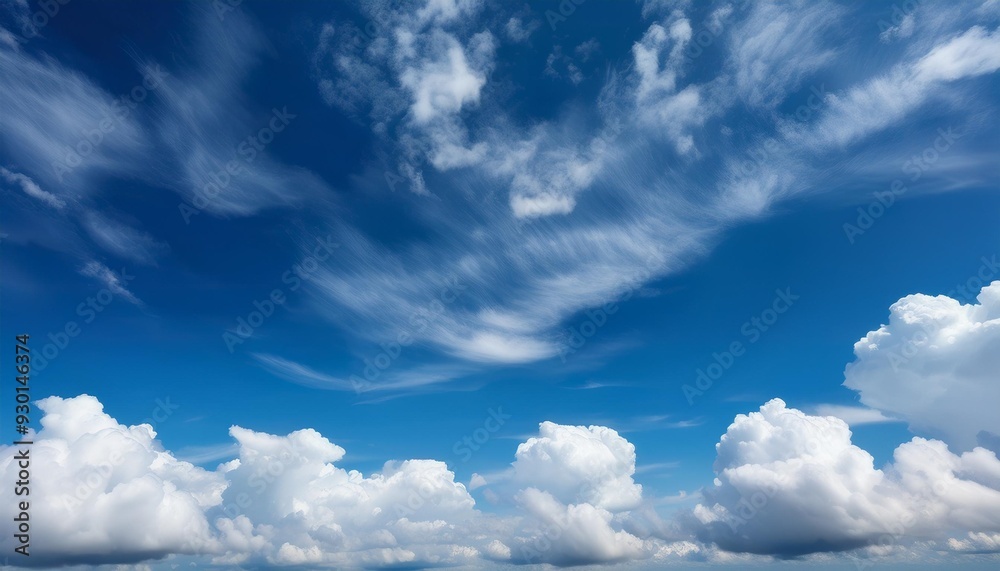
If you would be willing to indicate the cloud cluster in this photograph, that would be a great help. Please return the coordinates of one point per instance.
(788, 484)
(102, 492)
(934, 365)
(580, 464)
(183, 126)
(544, 217)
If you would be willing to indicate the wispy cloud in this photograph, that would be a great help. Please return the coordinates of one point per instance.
(31, 189)
(395, 381)
(854, 415)
(110, 280)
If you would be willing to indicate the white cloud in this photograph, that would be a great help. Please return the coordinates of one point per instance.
(115, 282)
(444, 11)
(574, 534)
(109, 493)
(32, 189)
(973, 53)
(788, 483)
(372, 378)
(541, 205)
(577, 464)
(311, 510)
(778, 46)
(544, 218)
(887, 98)
(442, 86)
(62, 127)
(656, 78)
(102, 492)
(934, 365)
(123, 240)
(519, 31)
(853, 415)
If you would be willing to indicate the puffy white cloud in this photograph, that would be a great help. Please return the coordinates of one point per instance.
(443, 85)
(789, 484)
(108, 493)
(102, 492)
(659, 59)
(572, 534)
(295, 506)
(934, 365)
(577, 464)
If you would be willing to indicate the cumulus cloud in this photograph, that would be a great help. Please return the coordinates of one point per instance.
(580, 464)
(110, 493)
(572, 534)
(305, 510)
(934, 365)
(102, 492)
(788, 484)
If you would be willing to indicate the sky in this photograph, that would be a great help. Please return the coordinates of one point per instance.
(484, 285)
